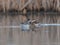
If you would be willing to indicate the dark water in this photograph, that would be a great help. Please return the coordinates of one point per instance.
(43, 36)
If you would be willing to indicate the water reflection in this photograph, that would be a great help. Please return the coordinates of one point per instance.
(42, 36)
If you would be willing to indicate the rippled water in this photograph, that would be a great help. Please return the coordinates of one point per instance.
(43, 36)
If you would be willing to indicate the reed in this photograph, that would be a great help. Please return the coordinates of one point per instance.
(34, 4)
(1, 6)
(58, 5)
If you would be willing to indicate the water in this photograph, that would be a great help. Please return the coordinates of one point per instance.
(49, 35)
